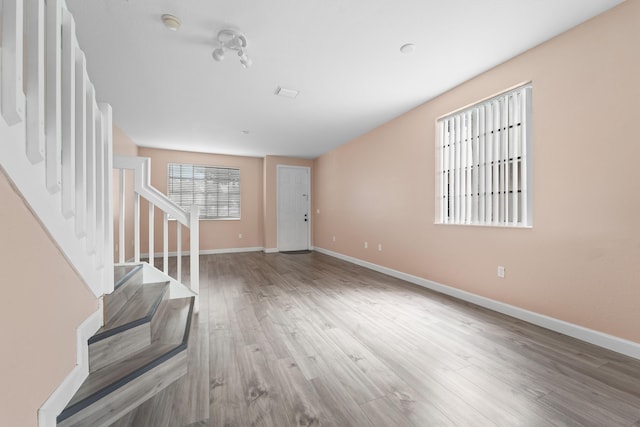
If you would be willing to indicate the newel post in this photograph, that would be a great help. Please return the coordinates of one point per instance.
(194, 250)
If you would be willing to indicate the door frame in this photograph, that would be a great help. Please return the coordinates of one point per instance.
(308, 169)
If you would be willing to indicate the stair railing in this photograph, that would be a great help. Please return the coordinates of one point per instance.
(170, 210)
(55, 139)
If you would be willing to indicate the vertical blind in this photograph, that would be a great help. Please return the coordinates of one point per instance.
(484, 162)
(215, 190)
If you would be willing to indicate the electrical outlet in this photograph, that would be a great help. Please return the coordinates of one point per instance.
(334, 238)
(239, 235)
(366, 245)
(380, 247)
(318, 211)
(501, 272)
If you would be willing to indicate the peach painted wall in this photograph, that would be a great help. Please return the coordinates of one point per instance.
(580, 261)
(214, 234)
(270, 203)
(43, 303)
(123, 146)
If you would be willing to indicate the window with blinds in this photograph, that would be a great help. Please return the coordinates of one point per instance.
(484, 162)
(215, 190)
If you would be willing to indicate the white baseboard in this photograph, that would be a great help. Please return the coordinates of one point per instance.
(231, 250)
(276, 250)
(610, 342)
(54, 405)
(205, 252)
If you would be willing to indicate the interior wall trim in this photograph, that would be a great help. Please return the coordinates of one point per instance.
(204, 252)
(54, 405)
(610, 342)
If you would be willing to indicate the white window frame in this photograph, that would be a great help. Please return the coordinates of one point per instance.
(483, 162)
(208, 200)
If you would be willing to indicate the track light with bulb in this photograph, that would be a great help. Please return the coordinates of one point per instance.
(232, 40)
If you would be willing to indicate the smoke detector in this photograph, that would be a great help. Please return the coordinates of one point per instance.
(171, 22)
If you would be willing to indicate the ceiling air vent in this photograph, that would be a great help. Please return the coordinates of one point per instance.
(287, 93)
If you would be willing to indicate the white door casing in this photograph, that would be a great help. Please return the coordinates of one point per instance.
(294, 198)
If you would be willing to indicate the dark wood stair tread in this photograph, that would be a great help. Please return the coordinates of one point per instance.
(172, 339)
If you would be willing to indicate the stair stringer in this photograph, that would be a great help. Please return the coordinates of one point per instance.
(28, 179)
(56, 403)
(49, 411)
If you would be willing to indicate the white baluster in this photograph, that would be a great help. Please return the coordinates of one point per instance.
(121, 220)
(68, 115)
(13, 103)
(107, 205)
(34, 34)
(194, 227)
(52, 101)
(91, 169)
(165, 243)
(136, 228)
(81, 141)
(179, 251)
(151, 232)
(100, 193)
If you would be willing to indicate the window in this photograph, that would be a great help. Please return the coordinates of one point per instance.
(484, 162)
(215, 190)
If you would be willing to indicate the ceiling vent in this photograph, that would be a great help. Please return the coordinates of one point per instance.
(287, 93)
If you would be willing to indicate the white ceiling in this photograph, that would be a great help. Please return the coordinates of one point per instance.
(343, 56)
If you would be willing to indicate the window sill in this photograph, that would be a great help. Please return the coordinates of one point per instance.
(213, 219)
(517, 227)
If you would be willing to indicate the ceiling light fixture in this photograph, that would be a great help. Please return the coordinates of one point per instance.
(234, 41)
(171, 22)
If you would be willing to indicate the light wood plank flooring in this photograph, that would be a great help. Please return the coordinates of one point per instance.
(309, 340)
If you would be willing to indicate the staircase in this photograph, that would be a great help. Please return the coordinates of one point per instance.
(56, 149)
(140, 350)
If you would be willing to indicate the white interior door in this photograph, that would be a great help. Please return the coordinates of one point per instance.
(293, 208)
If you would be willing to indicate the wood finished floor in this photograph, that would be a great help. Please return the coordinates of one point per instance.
(309, 340)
